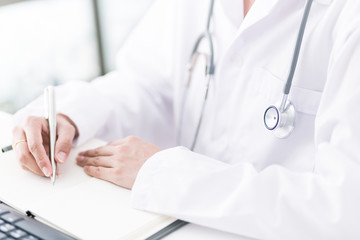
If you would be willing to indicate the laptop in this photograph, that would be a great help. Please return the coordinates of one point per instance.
(15, 225)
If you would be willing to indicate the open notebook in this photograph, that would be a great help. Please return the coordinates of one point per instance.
(83, 206)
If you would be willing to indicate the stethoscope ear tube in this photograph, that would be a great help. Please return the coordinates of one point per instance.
(209, 75)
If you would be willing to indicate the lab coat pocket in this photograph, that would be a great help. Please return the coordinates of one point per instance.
(271, 87)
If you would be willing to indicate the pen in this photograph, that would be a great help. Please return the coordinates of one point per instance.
(50, 116)
(7, 149)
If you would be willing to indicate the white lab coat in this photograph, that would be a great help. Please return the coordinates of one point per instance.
(240, 177)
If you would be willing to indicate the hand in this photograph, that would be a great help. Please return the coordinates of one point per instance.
(118, 162)
(33, 154)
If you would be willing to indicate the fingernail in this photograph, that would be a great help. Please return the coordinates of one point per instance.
(80, 158)
(61, 156)
(46, 171)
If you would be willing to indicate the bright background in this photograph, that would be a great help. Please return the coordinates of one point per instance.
(50, 42)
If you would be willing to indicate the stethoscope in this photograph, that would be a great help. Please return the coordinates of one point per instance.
(277, 118)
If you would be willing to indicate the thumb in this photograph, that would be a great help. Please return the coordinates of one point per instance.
(64, 141)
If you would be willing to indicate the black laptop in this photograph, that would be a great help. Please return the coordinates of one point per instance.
(15, 225)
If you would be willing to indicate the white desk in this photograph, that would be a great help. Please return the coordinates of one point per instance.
(189, 232)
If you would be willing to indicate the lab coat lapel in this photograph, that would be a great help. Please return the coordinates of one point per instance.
(258, 11)
(262, 8)
(234, 10)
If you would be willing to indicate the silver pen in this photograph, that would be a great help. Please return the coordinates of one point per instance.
(50, 116)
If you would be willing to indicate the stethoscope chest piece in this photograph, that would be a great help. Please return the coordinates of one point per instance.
(281, 122)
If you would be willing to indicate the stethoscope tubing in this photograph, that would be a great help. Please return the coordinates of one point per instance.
(298, 44)
(284, 104)
(209, 75)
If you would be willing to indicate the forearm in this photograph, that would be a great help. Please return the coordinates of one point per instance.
(274, 203)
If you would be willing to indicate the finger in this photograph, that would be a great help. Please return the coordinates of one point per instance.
(100, 151)
(47, 149)
(26, 159)
(99, 172)
(23, 154)
(29, 170)
(117, 142)
(66, 134)
(35, 145)
(95, 161)
(18, 134)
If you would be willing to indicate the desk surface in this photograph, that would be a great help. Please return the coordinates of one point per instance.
(190, 231)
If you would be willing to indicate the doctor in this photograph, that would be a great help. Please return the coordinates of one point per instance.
(217, 164)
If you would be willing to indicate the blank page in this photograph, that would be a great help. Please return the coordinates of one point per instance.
(86, 207)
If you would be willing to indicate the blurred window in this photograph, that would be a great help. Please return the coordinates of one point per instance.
(50, 42)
